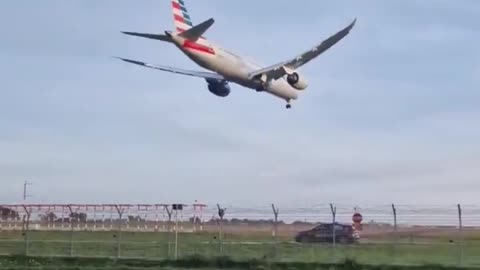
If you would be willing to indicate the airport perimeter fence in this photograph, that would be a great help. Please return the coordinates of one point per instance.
(387, 234)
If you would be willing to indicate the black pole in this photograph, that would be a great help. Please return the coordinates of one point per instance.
(334, 213)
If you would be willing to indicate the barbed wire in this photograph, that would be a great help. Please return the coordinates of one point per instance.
(406, 214)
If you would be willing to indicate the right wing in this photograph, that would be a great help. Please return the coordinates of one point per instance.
(200, 74)
(279, 70)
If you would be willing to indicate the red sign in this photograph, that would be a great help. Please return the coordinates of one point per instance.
(357, 218)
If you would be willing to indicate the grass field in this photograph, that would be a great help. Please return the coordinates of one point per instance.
(39, 263)
(161, 246)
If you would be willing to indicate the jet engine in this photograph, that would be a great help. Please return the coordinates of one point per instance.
(219, 88)
(297, 81)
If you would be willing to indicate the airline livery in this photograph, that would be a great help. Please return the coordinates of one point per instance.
(281, 80)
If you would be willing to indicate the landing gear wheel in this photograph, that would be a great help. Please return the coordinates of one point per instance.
(289, 106)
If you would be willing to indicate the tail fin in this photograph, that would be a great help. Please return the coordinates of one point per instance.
(181, 18)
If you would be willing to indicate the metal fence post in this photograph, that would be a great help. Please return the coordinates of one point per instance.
(334, 232)
(71, 219)
(221, 214)
(395, 235)
(175, 208)
(169, 228)
(275, 229)
(394, 218)
(460, 230)
(176, 234)
(119, 236)
(26, 229)
(334, 214)
(275, 224)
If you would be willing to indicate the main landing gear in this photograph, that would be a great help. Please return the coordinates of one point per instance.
(262, 87)
(288, 106)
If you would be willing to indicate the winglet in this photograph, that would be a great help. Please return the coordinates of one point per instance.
(130, 61)
(352, 24)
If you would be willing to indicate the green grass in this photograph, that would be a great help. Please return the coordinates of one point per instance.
(160, 246)
(40, 263)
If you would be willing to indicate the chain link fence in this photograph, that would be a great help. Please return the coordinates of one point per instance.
(380, 234)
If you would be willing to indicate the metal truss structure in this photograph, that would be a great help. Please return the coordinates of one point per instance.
(98, 217)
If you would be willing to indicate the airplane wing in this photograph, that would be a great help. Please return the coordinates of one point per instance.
(279, 70)
(200, 74)
(151, 36)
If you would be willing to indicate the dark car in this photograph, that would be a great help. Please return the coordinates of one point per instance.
(344, 234)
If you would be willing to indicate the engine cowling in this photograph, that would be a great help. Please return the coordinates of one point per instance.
(219, 88)
(297, 81)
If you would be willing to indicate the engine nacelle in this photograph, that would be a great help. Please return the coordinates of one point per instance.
(219, 88)
(297, 81)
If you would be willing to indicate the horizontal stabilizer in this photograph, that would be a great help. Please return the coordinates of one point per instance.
(151, 36)
(197, 31)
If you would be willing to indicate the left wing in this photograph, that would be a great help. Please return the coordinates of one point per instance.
(279, 70)
(151, 36)
(201, 74)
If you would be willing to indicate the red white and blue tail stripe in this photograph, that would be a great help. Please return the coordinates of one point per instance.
(181, 18)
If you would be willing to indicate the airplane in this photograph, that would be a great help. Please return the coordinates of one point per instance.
(282, 80)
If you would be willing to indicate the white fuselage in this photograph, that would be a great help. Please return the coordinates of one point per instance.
(232, 67)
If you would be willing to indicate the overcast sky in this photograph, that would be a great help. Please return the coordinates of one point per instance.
(391, 115)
